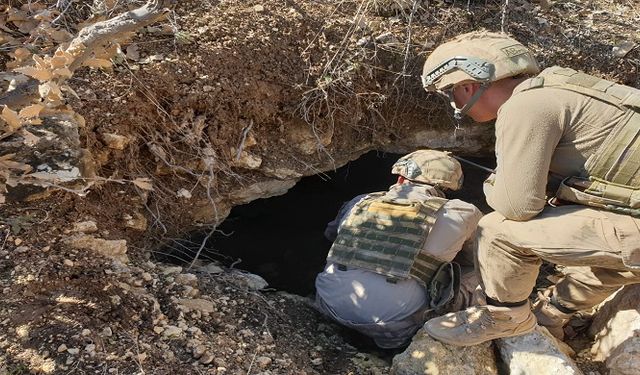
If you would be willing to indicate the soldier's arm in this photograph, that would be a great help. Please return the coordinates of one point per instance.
(331, 231)
(528, 129)
(456, 224)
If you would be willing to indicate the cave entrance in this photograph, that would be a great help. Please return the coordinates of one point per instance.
(281, 238)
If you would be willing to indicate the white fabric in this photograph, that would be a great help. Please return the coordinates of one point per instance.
(365, 297)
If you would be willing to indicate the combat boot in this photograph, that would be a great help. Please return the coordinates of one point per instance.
(549, 316)
(478, 324)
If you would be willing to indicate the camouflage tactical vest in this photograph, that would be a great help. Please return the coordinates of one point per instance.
(611, 177)
(386, 236)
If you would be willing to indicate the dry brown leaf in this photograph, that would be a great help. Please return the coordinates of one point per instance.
(11, 117)
(29, 138)
(61, 35)
(30, 111)
(26, 27)
(3, 23)
(21, 53)
(39, 74)
(50, 91)
(97, 63)
(33, 6)
(58, 62)
(35, 121)
(45, 15)
(157, 151)
(16, 15)
(7, 163)
(5, 38)
(63, 72)
(143, 183)
(67, 88)
(40, 63)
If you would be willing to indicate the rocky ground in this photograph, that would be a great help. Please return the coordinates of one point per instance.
(221, 103)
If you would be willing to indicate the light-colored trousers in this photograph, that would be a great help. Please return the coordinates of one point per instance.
(599, 248)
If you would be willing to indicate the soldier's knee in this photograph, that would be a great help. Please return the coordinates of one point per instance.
(489, 228)
(490, 225)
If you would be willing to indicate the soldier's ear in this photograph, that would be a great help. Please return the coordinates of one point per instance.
(470, 88)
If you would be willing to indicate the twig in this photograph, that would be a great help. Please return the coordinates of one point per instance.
(59, 5)
(245, 132)
(202, 245)
(503, 20)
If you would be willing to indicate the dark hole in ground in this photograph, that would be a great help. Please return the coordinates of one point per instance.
(281, 238)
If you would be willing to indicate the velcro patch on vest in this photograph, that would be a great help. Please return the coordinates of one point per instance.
(515, 50)
(387, 236)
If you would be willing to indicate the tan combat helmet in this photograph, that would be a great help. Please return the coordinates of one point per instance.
(478, 56)
(430, 167)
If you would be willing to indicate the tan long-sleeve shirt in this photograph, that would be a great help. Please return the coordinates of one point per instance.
(541, 131)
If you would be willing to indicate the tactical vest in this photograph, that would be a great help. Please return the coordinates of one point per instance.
(611, 176)
(387, 236)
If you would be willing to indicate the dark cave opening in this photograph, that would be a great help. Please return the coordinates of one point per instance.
(281, 238)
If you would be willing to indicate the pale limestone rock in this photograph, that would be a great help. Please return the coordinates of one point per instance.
(115, 141)
(616, 328)
(137, 221)
(264, 362)
(211, 268)
(307, 139)
(183, 193)
(535, 353)
(207, 358)
(88, 226)
(198, 304)
(172, 332)
(170, 270)
(246, 160)
(428, 356)
(264, 189)
(249, 280)
(282, 173)
(114, 249)
(187, 279)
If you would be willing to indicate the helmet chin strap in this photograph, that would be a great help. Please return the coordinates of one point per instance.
(458, 113)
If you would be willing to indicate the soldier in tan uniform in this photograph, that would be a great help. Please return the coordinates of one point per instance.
(562, 136)
(390, 266)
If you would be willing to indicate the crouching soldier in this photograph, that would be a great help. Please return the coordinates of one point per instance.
(562, 133)
(391, 264)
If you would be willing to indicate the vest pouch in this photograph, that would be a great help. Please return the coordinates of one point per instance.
(600, 194)
(444, 287)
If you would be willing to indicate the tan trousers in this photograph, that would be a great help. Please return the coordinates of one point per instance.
(594, 244)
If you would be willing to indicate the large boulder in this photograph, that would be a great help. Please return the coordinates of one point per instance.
(616, 328)
(428, 356)
(536, 353)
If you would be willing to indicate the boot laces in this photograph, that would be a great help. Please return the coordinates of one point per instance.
(477, 319)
